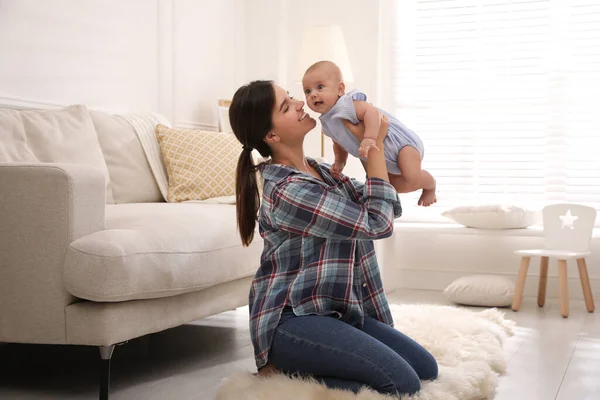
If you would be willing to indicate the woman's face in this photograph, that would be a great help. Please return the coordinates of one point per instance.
(290, 122)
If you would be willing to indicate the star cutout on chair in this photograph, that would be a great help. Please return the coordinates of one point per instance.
(567, 220)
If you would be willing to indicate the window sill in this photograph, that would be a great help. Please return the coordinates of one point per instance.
(457, 229)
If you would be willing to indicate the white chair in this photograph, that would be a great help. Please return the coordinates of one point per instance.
(567, 234)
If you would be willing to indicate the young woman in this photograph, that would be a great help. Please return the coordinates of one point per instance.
(317, 305)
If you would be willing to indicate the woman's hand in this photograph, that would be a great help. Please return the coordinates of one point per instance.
(336, 169)
(358, 130)
(375, 164)
(383, 129)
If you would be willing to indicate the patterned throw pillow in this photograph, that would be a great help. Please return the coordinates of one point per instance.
(200, 164)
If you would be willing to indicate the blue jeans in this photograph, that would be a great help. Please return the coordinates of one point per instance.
(344, 357)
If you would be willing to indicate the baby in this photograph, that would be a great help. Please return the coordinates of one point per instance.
(325, 93)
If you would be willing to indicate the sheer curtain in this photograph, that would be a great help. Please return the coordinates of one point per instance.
(504, 94)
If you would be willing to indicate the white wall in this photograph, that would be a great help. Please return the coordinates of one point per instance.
(207, 58)
(176, 57)
(93, 52)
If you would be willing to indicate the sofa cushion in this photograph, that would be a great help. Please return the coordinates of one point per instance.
(52, 136)
(157, 250)
(200, 164)
(131, 178)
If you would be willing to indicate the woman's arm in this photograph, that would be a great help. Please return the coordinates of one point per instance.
(375, 165)
(307, 208)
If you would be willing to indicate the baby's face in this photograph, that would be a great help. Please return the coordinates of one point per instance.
(322, 90)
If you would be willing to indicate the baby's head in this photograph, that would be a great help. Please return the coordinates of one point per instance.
(323, 85)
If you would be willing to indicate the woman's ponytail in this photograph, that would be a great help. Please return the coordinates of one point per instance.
(250, 119)
(247, 197)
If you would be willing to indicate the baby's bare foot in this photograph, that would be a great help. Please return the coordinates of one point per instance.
(428, 197)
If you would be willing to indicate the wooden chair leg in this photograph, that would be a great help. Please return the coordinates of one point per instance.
(585, 285)
(518, 296)
(563, 285)
(543, 281)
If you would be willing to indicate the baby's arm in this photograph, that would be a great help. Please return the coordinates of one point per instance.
(340, 158)
(370, 115)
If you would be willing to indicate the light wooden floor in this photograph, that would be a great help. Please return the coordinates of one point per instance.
(550, 359)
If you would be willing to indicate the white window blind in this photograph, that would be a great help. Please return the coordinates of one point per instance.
(504, 95)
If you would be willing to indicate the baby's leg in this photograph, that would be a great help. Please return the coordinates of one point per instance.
(413, 177)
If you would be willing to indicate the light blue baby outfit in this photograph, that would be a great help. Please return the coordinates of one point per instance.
(398, 135)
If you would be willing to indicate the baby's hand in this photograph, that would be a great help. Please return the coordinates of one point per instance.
(336, 169)
(365, 146)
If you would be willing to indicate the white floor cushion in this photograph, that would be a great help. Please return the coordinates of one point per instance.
(158, 250)
(481, 290)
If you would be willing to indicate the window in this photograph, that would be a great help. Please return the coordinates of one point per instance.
(504, 95)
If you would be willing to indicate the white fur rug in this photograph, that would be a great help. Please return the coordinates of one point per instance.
(467, 346)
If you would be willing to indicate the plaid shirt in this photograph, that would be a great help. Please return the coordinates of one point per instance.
(319, 256)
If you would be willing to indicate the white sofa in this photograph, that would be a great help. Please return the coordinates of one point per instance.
(90, 254)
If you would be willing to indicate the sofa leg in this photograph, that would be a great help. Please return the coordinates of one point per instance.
(106, 353)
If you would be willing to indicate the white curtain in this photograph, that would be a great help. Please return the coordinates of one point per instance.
(505, 96)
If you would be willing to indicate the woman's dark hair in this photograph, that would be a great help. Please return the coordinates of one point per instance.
(250, 118)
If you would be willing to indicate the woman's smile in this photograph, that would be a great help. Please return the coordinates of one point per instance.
(304, 115)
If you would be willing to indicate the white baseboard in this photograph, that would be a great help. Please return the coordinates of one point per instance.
(439, 280)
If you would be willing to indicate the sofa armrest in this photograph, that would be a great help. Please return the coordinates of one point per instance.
(43, 208)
